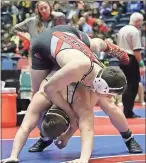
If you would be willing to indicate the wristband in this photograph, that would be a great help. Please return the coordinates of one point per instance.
(141, 63)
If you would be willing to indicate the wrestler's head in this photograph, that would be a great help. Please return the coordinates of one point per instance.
(110, 81)
(55, 122)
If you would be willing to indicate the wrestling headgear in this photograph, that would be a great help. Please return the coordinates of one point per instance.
(55, 122)
(110, 80)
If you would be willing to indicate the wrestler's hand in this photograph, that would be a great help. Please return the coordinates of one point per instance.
(77, 161)
(61, 141)
(10, 160)
(117, 52)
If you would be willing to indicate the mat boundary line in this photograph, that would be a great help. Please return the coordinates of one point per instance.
(117, 156)
(79, 136)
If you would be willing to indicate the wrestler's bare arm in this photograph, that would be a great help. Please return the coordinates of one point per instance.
(91, 99)
(86, 126)
(82, 105)
(31, 118)
(63, 77)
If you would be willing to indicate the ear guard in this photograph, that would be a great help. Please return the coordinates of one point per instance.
(101, 86)
(59, 112)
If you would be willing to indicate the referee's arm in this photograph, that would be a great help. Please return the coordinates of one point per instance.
(137, 46)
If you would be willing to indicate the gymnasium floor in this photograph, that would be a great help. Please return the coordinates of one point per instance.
(108, 145)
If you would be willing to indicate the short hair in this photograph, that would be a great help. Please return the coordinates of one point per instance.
(114, 77)
(55, 122)
(136, 16)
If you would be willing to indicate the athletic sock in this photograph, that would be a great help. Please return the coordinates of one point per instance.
(45, 139)
(126, 135)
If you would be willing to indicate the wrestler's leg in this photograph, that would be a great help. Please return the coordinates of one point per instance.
(37, 76)
(119, 121)
(44, 142)
(97, 45)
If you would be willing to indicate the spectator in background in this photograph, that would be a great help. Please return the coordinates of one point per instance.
(89, 19)
(85, 27)
(123, 6)
(97, 33)
(80, 5)
(134, 6)
(87, 7)
(95, 5)
(6, 17)
(65, 7)
(81, 13)
(8, 46)
(95, 30)
(25, 45)
(24, 7)
(110, 33)
(44, 19)
(15, 13)
(74, 22)
(73, 10)
(5, 7)
(95, 13)
(102, 25)
(105, 10)
(130, 40)
(115, 10)
(143, 11)
(56, 6)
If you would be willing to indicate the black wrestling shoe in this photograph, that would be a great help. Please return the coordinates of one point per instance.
(40, 145)
(133, 116)
(133, 146)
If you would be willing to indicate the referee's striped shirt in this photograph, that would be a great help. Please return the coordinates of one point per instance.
(129, 38)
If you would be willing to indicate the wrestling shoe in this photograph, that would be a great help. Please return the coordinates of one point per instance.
(40, 145)
(133, 146)
(116, 51)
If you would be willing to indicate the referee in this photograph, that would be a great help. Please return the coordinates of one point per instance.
(129, 38)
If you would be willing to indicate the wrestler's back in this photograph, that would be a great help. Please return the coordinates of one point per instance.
(66, 28)
(43, 41)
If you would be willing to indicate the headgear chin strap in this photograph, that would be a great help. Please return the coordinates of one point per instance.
(55, 122)
(101, 86)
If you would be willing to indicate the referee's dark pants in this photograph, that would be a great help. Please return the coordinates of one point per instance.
(132, 74)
